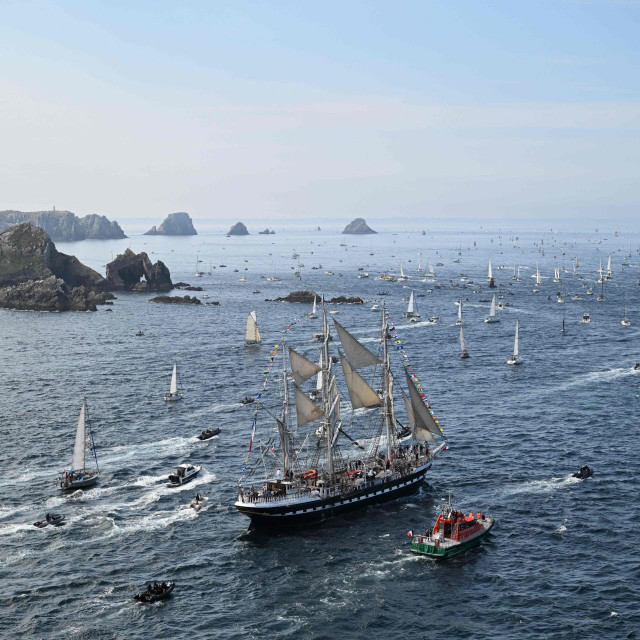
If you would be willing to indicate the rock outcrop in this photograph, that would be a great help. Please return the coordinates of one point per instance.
(175, 224)
(176, 300)
(65, 226)
(307, 297)
(127, 270)
(238, 229)
(358, 226)
(35, 276)
(266, 232)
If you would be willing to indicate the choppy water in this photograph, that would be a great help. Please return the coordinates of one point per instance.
(564, 559)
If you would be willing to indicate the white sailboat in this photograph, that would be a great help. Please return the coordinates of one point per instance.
(459, 320)
(198, 273)
(314, 311)
(556, 274)
(463, 347)
(609, 270)
(401, 277)
(492, 312)
(412, 310)
(78, 476)
(515, 358)
(625, 322)
(490, 272)
(174, 395)
(252, 334)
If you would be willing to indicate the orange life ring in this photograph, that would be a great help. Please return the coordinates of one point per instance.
(307, 475)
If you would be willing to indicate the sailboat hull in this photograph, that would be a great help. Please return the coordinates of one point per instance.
(80, 483)
(314, 511)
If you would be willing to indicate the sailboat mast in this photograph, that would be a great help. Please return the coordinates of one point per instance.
(386, 400)
(93, 446)
(282, 423)
(326, 395)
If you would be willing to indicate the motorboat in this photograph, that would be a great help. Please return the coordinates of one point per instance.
(155, 593)
(208, 433)
(453, 533)
(586, 317)
(584, 473)
(198, 502)
(184, 473)
(248, 400)
(50, 519)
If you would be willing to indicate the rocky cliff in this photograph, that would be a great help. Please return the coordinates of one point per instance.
(175, 224)
(127, 270)
(35, 276)
(358, 226)
(65, 226)
(238, 229)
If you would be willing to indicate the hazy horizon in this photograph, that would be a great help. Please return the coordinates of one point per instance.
(422, 113)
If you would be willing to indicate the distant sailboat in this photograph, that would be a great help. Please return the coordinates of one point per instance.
(601, 298)
(490, 272)
(78, 476)
(198, 273)
(174, 395)
(609, 271)
(252, 335)
(459, 320)
(463, 347)
(401, 277)
(625, 322)
(515, 358)
(492, 312)
(412, 310)
(314, 311)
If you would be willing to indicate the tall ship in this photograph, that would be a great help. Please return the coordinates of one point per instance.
(316, 463)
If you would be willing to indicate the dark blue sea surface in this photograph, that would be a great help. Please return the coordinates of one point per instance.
(563, 561)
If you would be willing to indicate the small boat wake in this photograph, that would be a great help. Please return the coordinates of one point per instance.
(598, 377)
(541, 486)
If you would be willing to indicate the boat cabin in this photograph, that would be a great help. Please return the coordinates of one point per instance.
(457, 526)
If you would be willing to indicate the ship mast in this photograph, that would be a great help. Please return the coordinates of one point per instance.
(326, 395)
(282, 422)
(387, 399)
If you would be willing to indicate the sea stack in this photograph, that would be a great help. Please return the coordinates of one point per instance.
(126, 271)
(65, 226)
(35, 276)
(175, 224)
(358, 226)
(238, 229)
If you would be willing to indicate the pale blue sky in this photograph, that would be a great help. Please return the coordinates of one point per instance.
(300, 110)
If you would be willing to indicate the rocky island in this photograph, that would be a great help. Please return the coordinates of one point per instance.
(65, 226)
(238, 229)
(358, 226)
(266, 232)
(128, 269)
(35, 276)
(307, 297)
(175, 224)
(176, 300)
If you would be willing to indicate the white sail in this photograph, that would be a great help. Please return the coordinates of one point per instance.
(301, 368)
(609, 272)
(252, 335)
(492, 311)
(425, 426)
(460, 312)
(430, 267)
(462, 343)
(490, 273)
(359, 356)
(306, 409)
(401, 272)
(78, 462)
(314, 311)
(361, 394)
(412, 307)
(516, 349)
(173, 389)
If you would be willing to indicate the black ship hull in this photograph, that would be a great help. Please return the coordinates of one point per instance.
(273, 515)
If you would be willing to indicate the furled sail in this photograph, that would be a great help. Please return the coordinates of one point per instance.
(319, 378)
(358, 355)
(306, 409)
(361, 394)
(301, 368)
(252, 335)
(78, 462)
(424, 422)
(173, 389)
